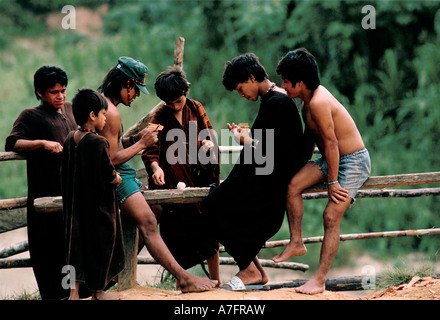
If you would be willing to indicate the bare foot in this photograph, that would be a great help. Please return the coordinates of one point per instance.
(312, 286)
(102, 295)
(292, 250)
(195, 284)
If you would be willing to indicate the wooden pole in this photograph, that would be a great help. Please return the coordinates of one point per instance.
(230, 261)
(127, 277)
(7, 204)
(390, 181)
(196, 195)
(10, 155)
(15, 263)
(14, 249)
(359, 236)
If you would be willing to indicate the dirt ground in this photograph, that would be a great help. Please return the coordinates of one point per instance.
(417, 289)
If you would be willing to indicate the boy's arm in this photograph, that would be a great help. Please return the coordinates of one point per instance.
(322, 116)
(23, 146)
(119, 154)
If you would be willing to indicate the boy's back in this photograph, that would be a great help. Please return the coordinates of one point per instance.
(328, 120)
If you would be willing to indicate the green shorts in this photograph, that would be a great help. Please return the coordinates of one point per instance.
(129, 184)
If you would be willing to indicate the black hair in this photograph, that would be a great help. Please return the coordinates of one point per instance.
(113, 82)
(239, 70)
(171, 84)
(47, 77)
(86, 101)
(300, 65)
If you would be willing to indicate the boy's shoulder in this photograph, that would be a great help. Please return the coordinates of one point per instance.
(321, 97)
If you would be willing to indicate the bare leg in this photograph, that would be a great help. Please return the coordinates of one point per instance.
(332, 218)
(308, 176)
(214, 267)
(140, 212)
(157, 210)
(74, 292)
(264, 276)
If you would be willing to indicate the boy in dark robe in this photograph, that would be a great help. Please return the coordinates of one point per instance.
(183, 228)
(39, 133)
(94, 245)
(248, 207)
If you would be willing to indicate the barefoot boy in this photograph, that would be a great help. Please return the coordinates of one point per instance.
(94, 245)
(344, 165)
(122, 84)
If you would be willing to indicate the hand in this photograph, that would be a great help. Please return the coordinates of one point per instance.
(336, 193)
(207, 145)
(117, 181)
(52, 146)
(149, 137)
(158, 175)
(241, 135)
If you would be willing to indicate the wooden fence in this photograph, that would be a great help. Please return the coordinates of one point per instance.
(13, 215)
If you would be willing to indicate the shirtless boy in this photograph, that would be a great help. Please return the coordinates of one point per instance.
(344, 165)
(123, 84)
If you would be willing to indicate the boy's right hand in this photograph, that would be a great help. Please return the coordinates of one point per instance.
(241, 135)
(149, 137)
(52, 146)
(158, 176)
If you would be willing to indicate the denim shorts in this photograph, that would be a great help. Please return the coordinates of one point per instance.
(129, 184)
(354, 170)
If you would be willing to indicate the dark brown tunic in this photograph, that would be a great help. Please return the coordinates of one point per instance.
(45, 230)
(94, 244)
(182, 227)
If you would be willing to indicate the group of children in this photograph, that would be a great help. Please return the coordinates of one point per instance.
(242, 212)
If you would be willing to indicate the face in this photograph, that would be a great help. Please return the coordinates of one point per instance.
(129, 94)
(292, 90)
(177, 105)
(55, 96)
(248, 89)
(100, 120)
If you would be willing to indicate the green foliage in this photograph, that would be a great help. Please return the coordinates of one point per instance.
(387, 78)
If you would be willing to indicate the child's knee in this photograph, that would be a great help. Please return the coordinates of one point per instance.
(331, 218)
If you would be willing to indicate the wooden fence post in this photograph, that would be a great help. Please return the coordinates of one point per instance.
(127, 278)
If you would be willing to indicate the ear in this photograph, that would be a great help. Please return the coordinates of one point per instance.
(251, 78)
(40, 95)
(187, 92)
(92, 115)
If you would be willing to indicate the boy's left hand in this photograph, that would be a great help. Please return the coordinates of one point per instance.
(336, 193)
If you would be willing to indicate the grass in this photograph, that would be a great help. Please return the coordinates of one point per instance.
(24, 295)
(399, 275)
